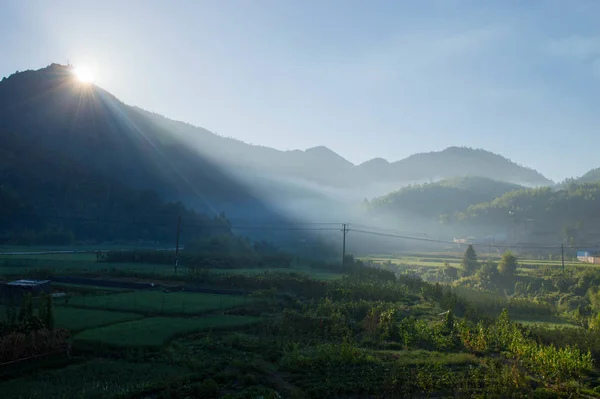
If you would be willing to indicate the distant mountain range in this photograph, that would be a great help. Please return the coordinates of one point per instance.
(323, 166)
(49, 112)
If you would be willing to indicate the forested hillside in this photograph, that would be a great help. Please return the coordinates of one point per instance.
(592, 176)
(45, 199)
(51, 108)
(49, 113)
(431, 200)
(541, 214)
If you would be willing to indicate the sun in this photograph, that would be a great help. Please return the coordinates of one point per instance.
(84, 74)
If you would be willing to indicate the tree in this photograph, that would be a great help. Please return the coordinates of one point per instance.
(508, 264)
(449, 322)
(469, 263)
(450, 272)
(26, 310)
(488, 272)
(46, 313)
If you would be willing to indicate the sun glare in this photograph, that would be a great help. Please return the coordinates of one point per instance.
(84, 74)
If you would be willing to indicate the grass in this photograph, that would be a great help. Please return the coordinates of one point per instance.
(155, 302)
(156, 331)
(75, 319)
(87, 288)
(94, 379)
(417, 357)
(313, 273)
(22, 266)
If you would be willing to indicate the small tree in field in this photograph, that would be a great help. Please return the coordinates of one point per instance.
(488, 272)
(26, 309)
(46, 312)
(508, 264)
(451, 273)
(469, 263)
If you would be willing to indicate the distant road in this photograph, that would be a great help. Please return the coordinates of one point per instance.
(89, 251)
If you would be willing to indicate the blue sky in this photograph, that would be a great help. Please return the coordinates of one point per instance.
(367, 79)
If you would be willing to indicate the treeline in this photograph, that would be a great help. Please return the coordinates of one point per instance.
(430, 200)
(62, 202)
(568, 215)
(200, 260)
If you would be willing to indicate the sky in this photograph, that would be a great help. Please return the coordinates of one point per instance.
(366, 79)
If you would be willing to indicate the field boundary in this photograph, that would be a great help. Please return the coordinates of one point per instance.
(145, 285)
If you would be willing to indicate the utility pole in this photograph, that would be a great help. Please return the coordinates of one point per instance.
(177, 245)
(562, 255)
(345, 231)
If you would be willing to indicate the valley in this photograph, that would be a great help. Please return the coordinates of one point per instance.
(142, 257)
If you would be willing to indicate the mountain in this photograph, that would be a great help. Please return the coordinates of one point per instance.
(49, 112)
(462, 161)
(47, 199)
(592, 176)
(430, 200)
(322, 166)
(72, 150)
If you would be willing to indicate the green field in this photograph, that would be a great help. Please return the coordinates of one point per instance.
(155, 302)
(157, 331)
(80, 257)
(313, 273)
(95, 379)
(15, 266)
(21, 266)
(87, 288)
(76, 319)
(436, 262)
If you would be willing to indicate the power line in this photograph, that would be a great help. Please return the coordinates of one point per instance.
(306, 226)
(451, 242)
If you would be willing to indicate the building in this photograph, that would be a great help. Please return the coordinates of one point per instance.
(588, 257)
(15, 290)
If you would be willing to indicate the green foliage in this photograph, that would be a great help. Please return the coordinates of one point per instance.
(450, 273)
(46, 311)
(369, 335)
(508, 265)
(469, 263)
(444, 197)
(26, 309)
(567, 214)
(488, 274)
(551, 364)
(94, 379)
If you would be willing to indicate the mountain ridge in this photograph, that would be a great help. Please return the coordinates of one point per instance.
(47, 106)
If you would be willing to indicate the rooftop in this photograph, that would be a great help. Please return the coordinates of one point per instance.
(27, 283)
